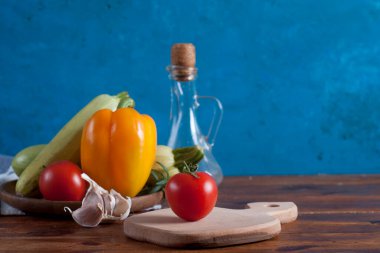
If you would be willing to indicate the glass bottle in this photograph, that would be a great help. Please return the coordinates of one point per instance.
(185, 130)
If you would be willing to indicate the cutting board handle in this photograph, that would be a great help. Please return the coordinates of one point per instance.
(284, 211)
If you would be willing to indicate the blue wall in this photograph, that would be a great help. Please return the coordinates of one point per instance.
(300, 80)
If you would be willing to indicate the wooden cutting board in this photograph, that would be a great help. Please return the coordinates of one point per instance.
(222, 227)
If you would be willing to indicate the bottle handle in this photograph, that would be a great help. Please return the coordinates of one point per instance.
(216, 119)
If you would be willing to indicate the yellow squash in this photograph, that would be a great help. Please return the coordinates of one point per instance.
(118, 149)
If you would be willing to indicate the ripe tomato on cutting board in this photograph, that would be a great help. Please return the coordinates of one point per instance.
(191, 196)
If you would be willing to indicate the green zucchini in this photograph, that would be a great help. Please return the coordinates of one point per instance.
(23, 158)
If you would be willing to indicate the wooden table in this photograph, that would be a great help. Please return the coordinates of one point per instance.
(336, 214)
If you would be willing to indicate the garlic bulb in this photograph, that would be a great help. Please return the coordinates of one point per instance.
(100, 205)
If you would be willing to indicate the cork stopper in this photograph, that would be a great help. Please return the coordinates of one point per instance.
(183, 54)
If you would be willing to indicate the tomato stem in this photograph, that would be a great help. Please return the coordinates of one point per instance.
(191, 155)
(192, 172)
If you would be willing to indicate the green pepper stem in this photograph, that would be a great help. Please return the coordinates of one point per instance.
(125, 100)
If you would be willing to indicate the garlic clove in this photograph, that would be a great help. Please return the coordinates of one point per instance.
(91, 212)
(122, 206)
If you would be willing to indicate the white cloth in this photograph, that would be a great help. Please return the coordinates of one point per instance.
(6, 209)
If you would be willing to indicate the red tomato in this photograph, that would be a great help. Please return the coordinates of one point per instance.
(189, 197)
(62, 181)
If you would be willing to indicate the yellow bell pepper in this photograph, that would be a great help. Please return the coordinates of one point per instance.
(118, 149)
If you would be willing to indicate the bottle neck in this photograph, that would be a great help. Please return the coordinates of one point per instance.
(184, 130)
(181, 73)
(184, 94)
(183, 86)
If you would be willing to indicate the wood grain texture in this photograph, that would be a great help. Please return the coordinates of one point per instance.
(336, 214)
